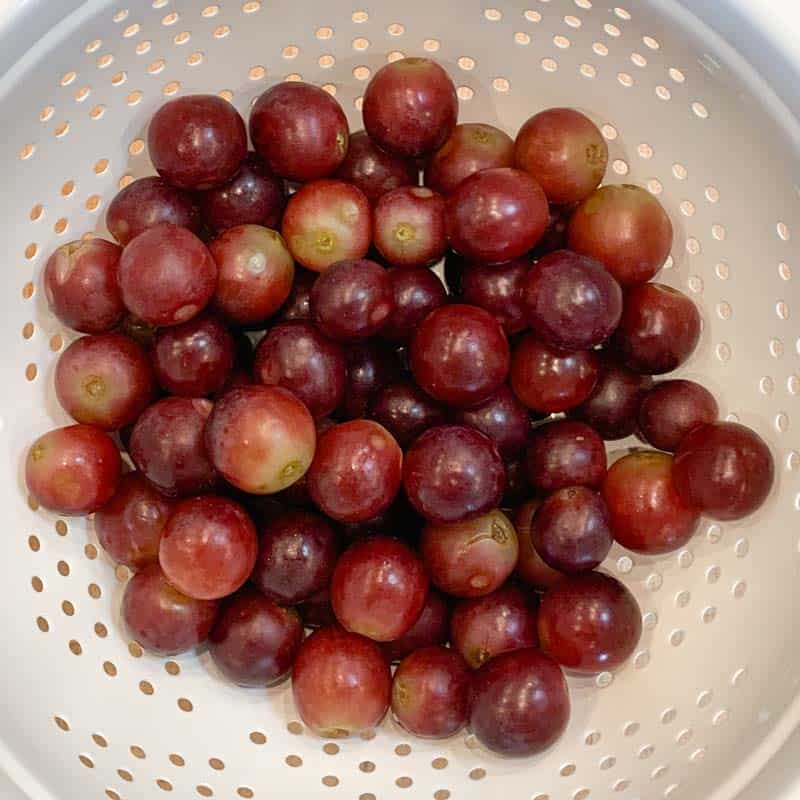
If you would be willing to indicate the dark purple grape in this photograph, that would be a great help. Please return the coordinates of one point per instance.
(566, 453)
(503, 419)
(499, 290)
(417, 291)
(405, 411)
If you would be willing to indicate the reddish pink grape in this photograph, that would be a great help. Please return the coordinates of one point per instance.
(254, 641)
(566, 453)
(341, 683)
(647, 513)
(408, 226)
(325, 222)
(571, 301)
(410, 107)
(496, 215)
(148, 202)
(166, 275)
(571, 530)
(498, 289)
(430, 693)
(472, 147)
(659, 329)
(298, 303)
(80, 283)
(612, 407)
(352, 300)
(626, 229)
(416, 291)
(194, 359)
(162, 619)
(485, 627)
(197, 141)
(73, 470)
(589, 623)
(373, 170)
(453, 472)
(130, 525)
(256, 272)
(298, 357)
(167, 446)
(254, 196)
(296, 556)
(549, 380)
(261, 438)
(405, 411)
(503, 419)
(519, 703)
(460, 355)
(297, 495)
(432, 627)
(672, 409)
(300, 131)
(531, 567)
(724, 470)
(471, 558)
(379, 588)
(371, 365)
(356, 472)
(104, 380)
(565, 151)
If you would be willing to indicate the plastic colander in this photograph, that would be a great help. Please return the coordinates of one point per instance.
(712, 690)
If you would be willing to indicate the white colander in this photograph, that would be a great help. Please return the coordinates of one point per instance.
(712, 691)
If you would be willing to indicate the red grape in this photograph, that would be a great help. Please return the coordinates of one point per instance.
(300, 131)
(298, 357)
(254, 640)
(612, 407)
(298, 303)
(130, 525)
(531, 567)
(460, 355)
(104, 380)
(371, 365)
(496, 215)
(197, 141)
(352, 300)
(166, 275)
(519, 703)
(549, 380)
(471, 558)
(498, 290)
(341, 683)
(571, 301)
(724, 470)
(430, 693)
(325, 222)
(379, 588)
(405, 411)
(167, 446)
(356, 472)
(659, 329)
(432, 627)
(80, 283)
(410, 107)
(566, 453)
(565, 151)
(503, 419)
(500, 622)
(254, 196)
(194, 359)
(73, 470)
(408, 226)
(671, 409)
(416, 291)
(373, 170)
(255, 273)
(626, 229)
(472, 147)
(589, 623)
(571, 530)
(261, 438)
(647, 514)
(148, 202)
(453, 472)
(162, 619)
(296, 556)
